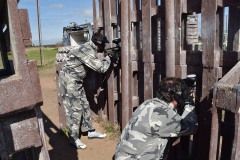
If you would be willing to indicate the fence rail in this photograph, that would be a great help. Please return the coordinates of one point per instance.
(158, 40)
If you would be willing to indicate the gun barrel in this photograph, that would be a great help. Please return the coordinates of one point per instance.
(112, 49)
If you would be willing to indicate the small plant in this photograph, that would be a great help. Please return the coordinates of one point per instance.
(109, 128)
(113, 130)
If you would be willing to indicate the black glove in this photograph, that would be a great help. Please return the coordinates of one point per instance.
(114, 56)
(180, 102)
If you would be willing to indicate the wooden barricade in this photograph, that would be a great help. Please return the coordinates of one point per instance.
(21, 126)
(159, 39)
(225, 117)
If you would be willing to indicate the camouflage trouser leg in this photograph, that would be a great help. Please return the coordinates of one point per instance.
(156, 151)
(76, 107)
(123, 156)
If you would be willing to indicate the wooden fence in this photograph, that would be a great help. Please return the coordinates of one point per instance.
(159, 39)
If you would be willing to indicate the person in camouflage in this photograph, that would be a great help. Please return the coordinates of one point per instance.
(155, 121)
(76, 65)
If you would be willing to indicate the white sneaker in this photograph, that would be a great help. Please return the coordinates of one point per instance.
(96, 134)
(79, 144)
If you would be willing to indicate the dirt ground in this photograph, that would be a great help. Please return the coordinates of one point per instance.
(58, 146)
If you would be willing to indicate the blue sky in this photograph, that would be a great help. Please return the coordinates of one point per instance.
(55, 14)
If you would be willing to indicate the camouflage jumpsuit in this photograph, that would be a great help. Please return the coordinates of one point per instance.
(146, 135)
(78, 61)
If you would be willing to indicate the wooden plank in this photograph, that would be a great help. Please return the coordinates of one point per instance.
(113, 5)
(125, 63)
(170, 38)
(184, 6)
(35, 81)
(210, 62)
(181, 71)
(117, 75)
(109, 34)
(180, 62)
(214, 129)
(146, 31)
(178, 35)
(236, 144)
(94, 16)
(61, 110)
(44, 150)
(135, 53)
(226, 97)
(232, 77)
(148, 80)
(147, 48)
(100, 14)
(233, 29)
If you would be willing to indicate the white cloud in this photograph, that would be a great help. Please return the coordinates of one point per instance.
(57, 6)
(88, 12)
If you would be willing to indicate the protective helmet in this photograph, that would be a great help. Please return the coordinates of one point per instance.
(99, 39)
(169, 89)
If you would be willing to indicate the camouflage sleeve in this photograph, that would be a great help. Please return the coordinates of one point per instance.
(94, 63)
(165, 122)
(86, 56)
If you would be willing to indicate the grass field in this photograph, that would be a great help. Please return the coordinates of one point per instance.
(49, 55)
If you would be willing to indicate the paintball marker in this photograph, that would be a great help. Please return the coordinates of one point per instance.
(117, 48)
(114, 52)
(189, 89)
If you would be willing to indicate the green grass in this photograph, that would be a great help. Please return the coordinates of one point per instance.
(48, 60)
(112, 130)
(49, 56)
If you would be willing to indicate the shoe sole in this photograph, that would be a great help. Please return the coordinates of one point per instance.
(96, 137)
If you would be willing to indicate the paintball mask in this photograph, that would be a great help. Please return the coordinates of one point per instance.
(189, 89)
(188, 92)
(169, 89)
(99, 40)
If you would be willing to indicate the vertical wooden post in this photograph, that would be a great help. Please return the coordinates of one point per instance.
(180, 53)
(125, 60)
(147, 49)
(135, 53)
(170, 38)
(109, 35)
(210, 60)
(94, 16)
(215, 129)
